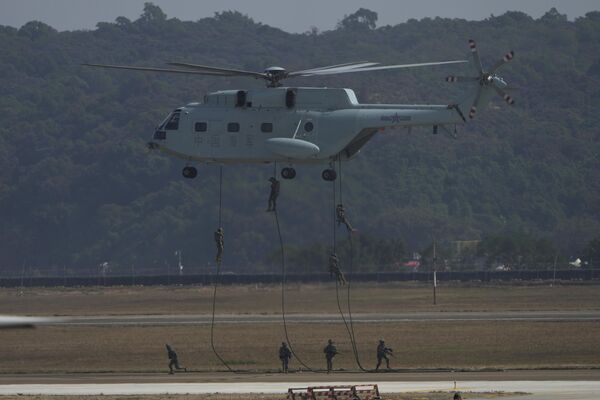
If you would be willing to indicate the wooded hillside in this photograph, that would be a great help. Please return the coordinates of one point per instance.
(78, 186)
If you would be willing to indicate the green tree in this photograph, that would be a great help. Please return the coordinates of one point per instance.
(592, 252)
(35, 30)
(78, 186)
(361, 19)
(152, 14)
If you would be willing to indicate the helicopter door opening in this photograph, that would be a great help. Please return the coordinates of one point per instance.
(290, 98)
(240, 100)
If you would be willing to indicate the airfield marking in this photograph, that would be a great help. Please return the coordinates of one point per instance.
(539, 316)
(582, 390)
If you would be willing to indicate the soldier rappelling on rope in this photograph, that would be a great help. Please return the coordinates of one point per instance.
(341, 217)
(274, 194)
(219, 241)
(334, 269)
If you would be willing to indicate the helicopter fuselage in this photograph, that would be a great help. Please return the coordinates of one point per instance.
(288, 125)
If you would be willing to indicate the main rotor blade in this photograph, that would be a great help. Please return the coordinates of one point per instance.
(473, 110)
(380, 68)
(475, 54)
(148, 69)
(357, 64)
(224, 71)
(507, 57)
(504, 95)
(453, 78)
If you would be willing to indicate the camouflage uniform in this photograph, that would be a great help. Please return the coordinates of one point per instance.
(330, 352)
(334, 269)
(341, 217)
(284, 355)
(382, 354)
(219, 241)
(274, 193)
(173, 360)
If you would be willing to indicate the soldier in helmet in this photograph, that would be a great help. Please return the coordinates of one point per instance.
(340, 213)
(284, 355)
(334, 269)
(274, 193)
(330, 352)
(457, 396)
(219, 241)
(173, 360)
(382, 354)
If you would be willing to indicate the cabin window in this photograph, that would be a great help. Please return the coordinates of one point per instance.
(309, 126)
(173, 123)
(200, 126)
(233, 127)
(266, 127)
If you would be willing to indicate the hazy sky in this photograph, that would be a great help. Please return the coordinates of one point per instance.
(290, 15)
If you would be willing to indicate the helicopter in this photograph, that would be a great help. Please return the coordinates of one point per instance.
(302, 125)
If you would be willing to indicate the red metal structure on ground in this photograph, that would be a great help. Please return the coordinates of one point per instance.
(355, 392)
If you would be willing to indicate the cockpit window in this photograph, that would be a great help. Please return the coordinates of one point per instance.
(173, 123)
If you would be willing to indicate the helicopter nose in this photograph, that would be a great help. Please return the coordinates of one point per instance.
(159, 135)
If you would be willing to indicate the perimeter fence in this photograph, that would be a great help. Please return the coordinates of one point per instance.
(233, 279)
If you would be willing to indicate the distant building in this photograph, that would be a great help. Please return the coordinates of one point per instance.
(414, 264)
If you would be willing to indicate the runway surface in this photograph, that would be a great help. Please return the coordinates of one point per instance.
(203, 319)
(580, 390)
(547, 385)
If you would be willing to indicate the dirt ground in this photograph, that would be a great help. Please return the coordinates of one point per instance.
(417, 345)
(266, 299)
(422, 345)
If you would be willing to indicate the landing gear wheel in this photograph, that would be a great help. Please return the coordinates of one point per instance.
(288, 173)
(189, 172)
(329, 175)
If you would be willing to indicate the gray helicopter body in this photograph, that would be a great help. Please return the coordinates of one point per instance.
(289, 125)
(301, 125)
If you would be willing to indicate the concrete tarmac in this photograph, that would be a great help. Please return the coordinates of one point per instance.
(554, 390)
(540, 384)
(204, 319)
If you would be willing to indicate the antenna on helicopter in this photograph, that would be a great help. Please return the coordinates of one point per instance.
(486, 78)
(274, 75)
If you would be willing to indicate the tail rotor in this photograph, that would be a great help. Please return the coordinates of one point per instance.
(486, 79)
(507, 57)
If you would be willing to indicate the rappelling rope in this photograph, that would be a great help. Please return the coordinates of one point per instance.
(218, 273)
(283, 284)
(349, 327)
